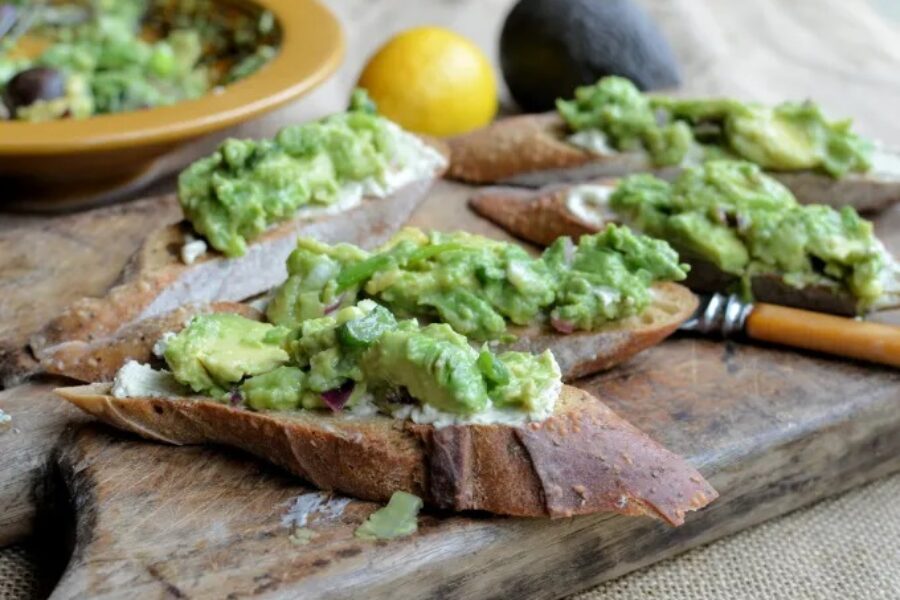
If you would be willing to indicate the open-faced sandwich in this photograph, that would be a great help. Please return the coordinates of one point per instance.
(353, 176)
(738, 228)
(366, 404)
(612, 129)
(594, 303)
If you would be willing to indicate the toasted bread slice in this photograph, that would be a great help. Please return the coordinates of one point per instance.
(531, 150)
(578, 354)
(583, 459)
(157, 281)
(100, 358)
(540, 216)
(584, 352)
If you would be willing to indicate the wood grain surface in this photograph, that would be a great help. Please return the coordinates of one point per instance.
(194, 522)
(773, 430)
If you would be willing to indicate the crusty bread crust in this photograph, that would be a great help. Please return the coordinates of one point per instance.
(583, 459)
(530, 150)
(100, 359)
(540, 216)
(863, 191)
(156, 281)
(512, 146)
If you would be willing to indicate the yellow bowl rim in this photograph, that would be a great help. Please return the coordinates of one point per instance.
(312, 47)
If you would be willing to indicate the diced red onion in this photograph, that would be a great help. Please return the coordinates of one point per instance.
(336, 399)
(235, 398)
(334, 305)
(562, 326)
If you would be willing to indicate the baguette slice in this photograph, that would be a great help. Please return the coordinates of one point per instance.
(99, 359)
(583, 459)
(157, 281)
(531, 150)
(578, 354)
(540, 216)
(581, 353)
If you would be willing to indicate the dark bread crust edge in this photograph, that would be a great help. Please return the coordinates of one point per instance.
(583, 459)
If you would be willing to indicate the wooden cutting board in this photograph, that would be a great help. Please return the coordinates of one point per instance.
(772, 430)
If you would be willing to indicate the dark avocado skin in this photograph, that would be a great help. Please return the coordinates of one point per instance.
(550, 47)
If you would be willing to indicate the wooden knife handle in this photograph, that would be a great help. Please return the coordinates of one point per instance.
(875, 342)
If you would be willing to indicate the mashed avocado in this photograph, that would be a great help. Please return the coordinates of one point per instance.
(396, 519)
(789, 136)
(360, 358)
(744, 222)
(477, 285)
(125, 55)
(246, 186)
(216, 351)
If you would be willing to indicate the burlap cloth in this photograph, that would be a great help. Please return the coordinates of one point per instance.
(847, 547)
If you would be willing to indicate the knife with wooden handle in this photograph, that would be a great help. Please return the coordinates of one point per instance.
(730, 316)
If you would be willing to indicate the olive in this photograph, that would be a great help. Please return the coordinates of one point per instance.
(31, 85)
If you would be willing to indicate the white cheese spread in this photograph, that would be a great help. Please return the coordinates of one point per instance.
(590, 203)
(592, 140)
(192, 249)
(136, 380)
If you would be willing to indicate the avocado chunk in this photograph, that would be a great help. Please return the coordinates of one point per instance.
(550, 47)
(435, 364)
(396, 519)
(673, 131)
(360, 357)
(477, 285)
(217, 350)
(279, 389)
(731, 214)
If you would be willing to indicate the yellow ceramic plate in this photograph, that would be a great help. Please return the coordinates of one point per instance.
(67, 162)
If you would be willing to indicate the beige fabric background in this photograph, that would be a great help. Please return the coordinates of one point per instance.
(844, 53)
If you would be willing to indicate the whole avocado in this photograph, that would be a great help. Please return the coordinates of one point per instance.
(550, 47)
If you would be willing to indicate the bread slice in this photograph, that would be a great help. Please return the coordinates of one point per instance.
(540, 216)
(531, 150)
(578, 354)
(157, 281)
(581, 353)
(583, 459)
(99, 359)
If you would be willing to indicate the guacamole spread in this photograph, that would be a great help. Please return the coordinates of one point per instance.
(614, 115)
(477, 285)
(246, 186)
(731, 214)
(396, 519)
(107, 56)
(363, 359)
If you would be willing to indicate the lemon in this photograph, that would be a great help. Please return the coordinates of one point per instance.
(431, 80)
